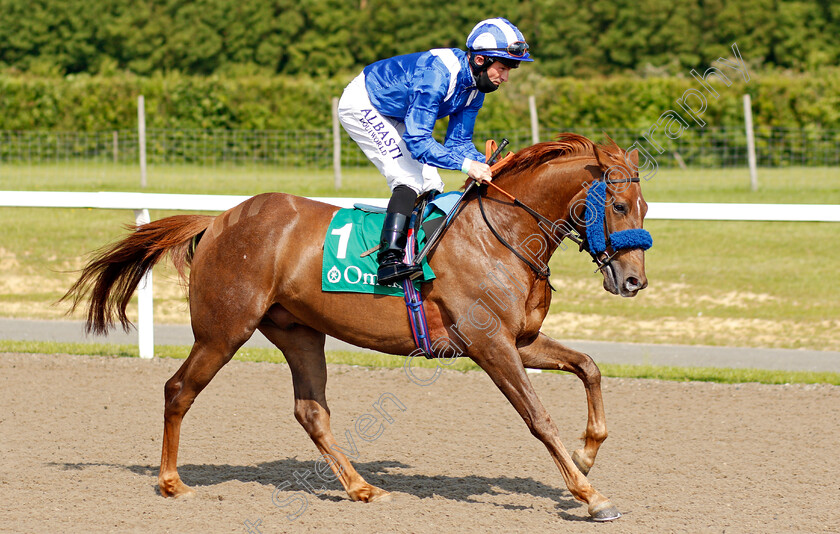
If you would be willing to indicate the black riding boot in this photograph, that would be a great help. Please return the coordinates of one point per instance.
(392, 250)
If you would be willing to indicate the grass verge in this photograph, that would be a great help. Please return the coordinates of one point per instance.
(680, 374)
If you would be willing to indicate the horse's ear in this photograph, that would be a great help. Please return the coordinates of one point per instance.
(604, 158)
(612, 144)
(632, 158)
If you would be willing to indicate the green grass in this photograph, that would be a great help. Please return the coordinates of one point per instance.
(759, 284)
(783, 270)
(223, 180)
(701, 374)
(792, 185)
(720, 375)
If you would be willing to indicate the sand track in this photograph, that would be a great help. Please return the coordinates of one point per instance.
(80, 443)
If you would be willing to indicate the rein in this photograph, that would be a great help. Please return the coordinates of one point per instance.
(542, 273)
(633, 238)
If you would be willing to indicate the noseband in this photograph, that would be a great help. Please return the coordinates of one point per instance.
(597, 237)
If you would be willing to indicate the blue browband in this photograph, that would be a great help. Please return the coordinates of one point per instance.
(596, 200)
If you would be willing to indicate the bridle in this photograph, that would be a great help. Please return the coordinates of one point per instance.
(598, 239)
(581, 240)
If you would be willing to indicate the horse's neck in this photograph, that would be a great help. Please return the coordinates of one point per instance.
(544, 191)
(550, 188)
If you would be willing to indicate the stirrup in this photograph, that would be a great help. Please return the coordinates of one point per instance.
(392, 251)
(388, 272)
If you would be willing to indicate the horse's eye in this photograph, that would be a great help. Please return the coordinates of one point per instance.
(620, 208)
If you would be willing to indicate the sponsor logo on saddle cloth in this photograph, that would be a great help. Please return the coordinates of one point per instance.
(351, 233)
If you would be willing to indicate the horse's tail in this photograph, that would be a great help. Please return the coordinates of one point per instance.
(115, 271)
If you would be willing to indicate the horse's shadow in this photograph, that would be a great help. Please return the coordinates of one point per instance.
(287, 473)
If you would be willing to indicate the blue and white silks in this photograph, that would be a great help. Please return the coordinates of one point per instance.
(417, 90)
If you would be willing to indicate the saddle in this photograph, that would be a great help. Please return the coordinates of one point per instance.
(352, 238)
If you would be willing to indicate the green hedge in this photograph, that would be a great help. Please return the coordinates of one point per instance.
(327, 37)
(85, 103)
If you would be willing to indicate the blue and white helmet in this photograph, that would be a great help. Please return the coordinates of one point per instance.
(498, 38)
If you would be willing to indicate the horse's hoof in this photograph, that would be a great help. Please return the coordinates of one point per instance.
(605, 511)
(179, 490)
(577, 458)
(371, 494)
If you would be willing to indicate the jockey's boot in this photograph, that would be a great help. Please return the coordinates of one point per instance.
(392, 251)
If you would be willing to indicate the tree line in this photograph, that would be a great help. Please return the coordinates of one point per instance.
(333, 37)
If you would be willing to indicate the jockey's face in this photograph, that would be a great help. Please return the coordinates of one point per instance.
(498, 72)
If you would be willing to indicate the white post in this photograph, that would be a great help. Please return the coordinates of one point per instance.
(535, 124)
(141, 137)
(145, 319)
(750, 143)
(336, 143)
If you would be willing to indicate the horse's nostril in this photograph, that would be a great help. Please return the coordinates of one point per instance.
(631, 283)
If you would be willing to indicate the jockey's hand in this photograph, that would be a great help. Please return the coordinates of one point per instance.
(480, 172)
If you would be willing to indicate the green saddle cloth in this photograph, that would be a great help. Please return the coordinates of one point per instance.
(351, 233)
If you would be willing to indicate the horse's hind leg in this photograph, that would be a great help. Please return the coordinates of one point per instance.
(204, 361)
(546, 353)
(303, 348)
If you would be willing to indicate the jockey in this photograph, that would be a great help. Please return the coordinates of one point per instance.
(390, 110)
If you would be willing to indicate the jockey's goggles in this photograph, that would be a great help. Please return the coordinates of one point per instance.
(517, 49)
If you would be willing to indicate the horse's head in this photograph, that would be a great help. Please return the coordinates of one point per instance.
(610, 211)
(601, 204)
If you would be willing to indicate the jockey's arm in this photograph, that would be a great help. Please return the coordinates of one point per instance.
(459, 138)
(428, 91)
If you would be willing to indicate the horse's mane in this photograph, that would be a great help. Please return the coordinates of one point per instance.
(565, 145)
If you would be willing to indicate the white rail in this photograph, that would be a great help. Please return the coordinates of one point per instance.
(700, 211)
(142, 202)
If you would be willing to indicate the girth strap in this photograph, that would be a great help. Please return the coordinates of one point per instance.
(413, 297)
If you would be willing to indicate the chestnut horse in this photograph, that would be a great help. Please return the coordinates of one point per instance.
(258, 267)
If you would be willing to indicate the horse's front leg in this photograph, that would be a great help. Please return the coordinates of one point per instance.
(504, 366)
(547, 353)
